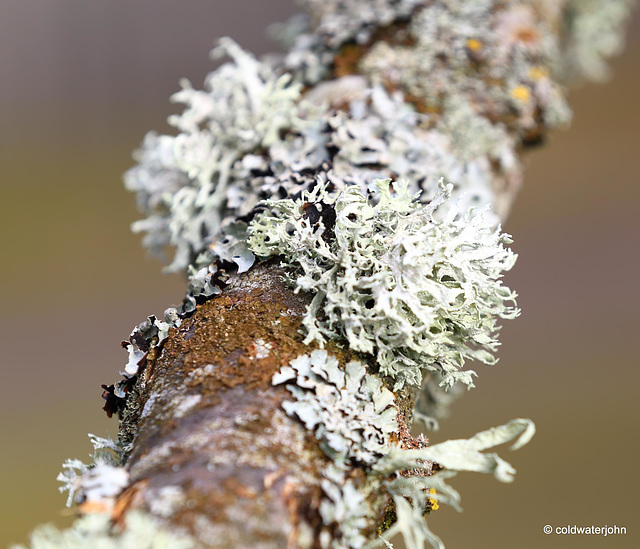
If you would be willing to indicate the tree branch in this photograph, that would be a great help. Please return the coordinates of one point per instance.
(274, 407)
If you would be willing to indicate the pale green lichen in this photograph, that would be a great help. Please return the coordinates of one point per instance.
(411, 493)
(593, 33)
(344, 507)
(182, 180)
(140, 531)
(392, 279)
(345, 406)
(349, 410)
(101, 480)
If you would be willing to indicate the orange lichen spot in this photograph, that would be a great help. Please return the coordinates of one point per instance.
(521, 93)
(538, 73)
(474, 45)
(433, 501)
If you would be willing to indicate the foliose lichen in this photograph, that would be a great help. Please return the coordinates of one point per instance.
(331, 399)
(421, 293)
(351, 412)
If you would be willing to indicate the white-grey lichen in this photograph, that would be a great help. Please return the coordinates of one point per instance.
(394, 280)
(344, 507)
(449, 89)
(344, 405)
(412, 493)
(98, 482)
(140, 531)
(340, 21)
(200, 187)
(350, 411)
(183, 181)
(593, 33)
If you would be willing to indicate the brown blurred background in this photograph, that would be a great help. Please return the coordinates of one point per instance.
(81, 84)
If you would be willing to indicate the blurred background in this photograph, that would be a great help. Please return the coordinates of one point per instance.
(83, 81)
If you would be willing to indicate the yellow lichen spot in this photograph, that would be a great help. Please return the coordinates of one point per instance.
(474, 45)
(538, 73)
(521, 93)
(433, 501)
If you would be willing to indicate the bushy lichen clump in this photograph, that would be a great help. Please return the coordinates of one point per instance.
(98, 483)
(185, 182)
(392, 279)
(592, 35)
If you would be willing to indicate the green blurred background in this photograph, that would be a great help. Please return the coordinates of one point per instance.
(82, 82)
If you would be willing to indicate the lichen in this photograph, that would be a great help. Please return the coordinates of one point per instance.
(344, 508)
(592, 34)
(393, 280)
(350, 411)
(411, 494)
(140, 531)
(270, 160)
(98, 483)
(344, 406)
(184, 182)
(424, 120)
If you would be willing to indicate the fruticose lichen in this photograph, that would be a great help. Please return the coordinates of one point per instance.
(593, 34)
(421, 293)
(354, 416)
(98, 483)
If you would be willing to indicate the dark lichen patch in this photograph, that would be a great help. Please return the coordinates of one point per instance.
(112, 404)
